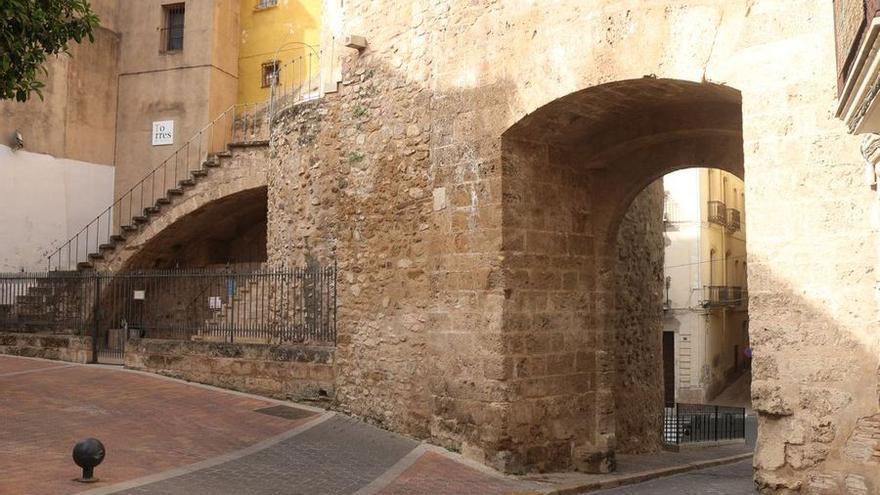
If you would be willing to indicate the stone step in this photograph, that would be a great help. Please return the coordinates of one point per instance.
(140, 219)
(85, 265)
(211, 163)
(40, 290)
(151, 210)
(129, 228)
(175, 192)
(199, 173)
(117, 238)
(163, 201)
(27, 299)
(96, 256)
(107, 247)
(187, 183)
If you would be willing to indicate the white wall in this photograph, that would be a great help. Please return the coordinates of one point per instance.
(43, 202)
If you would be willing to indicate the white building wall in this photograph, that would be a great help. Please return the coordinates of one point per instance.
(43, 202)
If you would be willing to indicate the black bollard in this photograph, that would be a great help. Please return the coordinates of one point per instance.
(88, 454)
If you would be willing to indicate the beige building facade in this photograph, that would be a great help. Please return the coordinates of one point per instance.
(705, 320)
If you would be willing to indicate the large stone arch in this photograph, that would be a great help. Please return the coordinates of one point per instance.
(570, 171)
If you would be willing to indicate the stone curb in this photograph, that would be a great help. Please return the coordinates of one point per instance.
(631, 479)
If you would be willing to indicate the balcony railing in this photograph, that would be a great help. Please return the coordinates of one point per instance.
(717, 213)
(734, 220)
(718, 296)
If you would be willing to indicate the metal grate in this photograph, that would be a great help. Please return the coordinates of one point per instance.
(285, 412)
(172, 31)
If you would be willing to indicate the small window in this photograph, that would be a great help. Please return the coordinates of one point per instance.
(265, 4)
(172, 31)
(270, 73)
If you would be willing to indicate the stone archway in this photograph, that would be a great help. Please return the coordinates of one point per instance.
(570, 171)
(230, 229)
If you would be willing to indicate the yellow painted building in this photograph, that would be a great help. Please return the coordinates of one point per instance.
(277, 35)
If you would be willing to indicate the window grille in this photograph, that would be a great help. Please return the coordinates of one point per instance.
(270, 73)
(172, 31)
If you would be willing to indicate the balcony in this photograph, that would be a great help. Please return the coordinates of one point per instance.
(717, 213)
(856, 30)
(723, 296)
(734, 220)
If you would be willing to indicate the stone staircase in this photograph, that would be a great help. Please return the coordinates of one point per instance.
(133, 211)
(248, 311)
(149, 213)
(40, 304)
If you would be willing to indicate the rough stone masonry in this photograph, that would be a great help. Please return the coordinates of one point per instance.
(471, 176)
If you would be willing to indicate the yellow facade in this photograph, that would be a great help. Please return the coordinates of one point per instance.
(284, 30)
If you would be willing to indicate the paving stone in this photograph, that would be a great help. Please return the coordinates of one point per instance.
(730, 479)
(338, 456)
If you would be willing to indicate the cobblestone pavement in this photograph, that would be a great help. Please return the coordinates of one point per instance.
(146, 424)
(730, 479)
(166, 437)
(338, 456)
(435, 474)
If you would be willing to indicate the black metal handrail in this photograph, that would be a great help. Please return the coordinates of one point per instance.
(693, 423)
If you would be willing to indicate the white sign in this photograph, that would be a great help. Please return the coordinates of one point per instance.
(163, 132)
(214, 302)
(140, 295)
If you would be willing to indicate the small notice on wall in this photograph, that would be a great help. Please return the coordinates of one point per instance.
(163, 132)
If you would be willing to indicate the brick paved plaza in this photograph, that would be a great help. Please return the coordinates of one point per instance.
(166, 437)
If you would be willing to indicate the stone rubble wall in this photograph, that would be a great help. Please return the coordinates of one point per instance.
(449, 311)
(288, 372)
(638, 325)
(70, 348)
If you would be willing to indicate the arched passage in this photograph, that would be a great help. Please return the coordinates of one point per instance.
(571, 169)
(230, 229)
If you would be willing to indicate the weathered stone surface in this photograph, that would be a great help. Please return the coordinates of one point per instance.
(302, 373)
(863, 444)
(70, 348)
(769, 398)
(638, 327)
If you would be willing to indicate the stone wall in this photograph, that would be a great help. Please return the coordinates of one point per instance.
(69, 348)
(347, 182)
(289, 372)
(638, 325)
(471, 172)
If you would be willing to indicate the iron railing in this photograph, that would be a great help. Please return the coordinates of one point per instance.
(232, 304)
(717, 213)
(723, 295)
(47, 302)
(297, 77)
(692, 423)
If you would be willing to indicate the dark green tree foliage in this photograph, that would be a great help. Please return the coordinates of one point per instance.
(31, 31)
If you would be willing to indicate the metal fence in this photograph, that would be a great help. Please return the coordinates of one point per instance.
(232, 304)
(692, 423)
